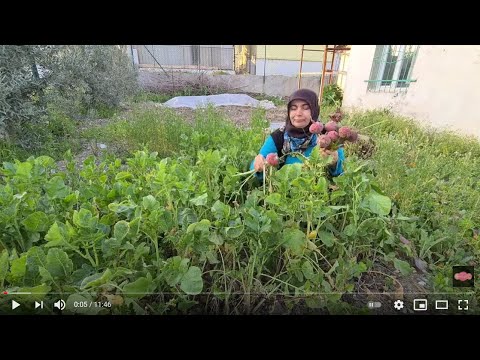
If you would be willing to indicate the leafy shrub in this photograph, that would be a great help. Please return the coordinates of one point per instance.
(77, 80)
(332, 95)
(21, 89)
(91, 76)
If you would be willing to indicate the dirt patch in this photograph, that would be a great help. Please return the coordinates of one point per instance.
(88, 147)
(242, 115)
(384, 285)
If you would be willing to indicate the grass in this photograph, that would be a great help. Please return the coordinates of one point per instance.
(142, 128)
(145, 96)
(188, 90)
(326, 110)
(220, 72)
(428, 173)
(54, 135)
(277, 101)
(431, 174)
(166, 132)
(106, 112)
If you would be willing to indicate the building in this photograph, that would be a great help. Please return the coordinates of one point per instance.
(434, 84)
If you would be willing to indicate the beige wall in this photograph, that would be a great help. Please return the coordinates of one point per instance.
(292, 52)
(446, 94)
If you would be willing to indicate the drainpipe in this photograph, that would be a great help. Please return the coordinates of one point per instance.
(264, 65)
(131, 52)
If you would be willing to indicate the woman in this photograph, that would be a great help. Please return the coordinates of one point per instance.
(302, 111)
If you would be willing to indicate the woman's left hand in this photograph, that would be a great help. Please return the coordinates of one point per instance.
(332, 153)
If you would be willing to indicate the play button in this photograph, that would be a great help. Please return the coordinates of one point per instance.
(15, 304)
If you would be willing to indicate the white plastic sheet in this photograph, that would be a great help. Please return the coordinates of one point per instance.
(195, 102)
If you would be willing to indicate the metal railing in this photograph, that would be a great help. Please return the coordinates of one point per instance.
(392, 68)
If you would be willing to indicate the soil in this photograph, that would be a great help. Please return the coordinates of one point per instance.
(384, 285)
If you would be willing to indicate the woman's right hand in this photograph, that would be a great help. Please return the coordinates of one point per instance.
(259, 163)
(333, 153)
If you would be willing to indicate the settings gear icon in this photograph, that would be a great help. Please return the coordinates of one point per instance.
(398, 304)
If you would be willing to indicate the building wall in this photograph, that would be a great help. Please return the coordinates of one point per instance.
(274, 85)
(285, 60)
(289, 52)
(287, 67)
(446, 94)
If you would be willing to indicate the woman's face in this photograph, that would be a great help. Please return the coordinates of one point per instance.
(300, 113)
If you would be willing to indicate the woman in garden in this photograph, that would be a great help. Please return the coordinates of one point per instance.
(295, 136)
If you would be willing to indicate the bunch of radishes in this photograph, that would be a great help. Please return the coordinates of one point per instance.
(332, 136)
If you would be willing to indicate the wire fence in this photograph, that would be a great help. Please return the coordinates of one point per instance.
(200, 57)
(242, 59)
(289, 61)
(260, 60)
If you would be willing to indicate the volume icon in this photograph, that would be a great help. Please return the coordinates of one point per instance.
(60, 304)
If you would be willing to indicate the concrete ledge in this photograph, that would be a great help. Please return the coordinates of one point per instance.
(273, 85)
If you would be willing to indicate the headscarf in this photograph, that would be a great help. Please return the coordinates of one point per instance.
(312, 100)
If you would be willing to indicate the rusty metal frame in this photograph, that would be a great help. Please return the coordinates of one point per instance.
(335, 50)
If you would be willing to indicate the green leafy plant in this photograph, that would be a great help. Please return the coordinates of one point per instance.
(189, 232)
(332, 95)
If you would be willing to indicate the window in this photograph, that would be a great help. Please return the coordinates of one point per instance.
(392, 68)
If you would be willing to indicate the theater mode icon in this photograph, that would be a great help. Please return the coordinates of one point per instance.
(441, 304)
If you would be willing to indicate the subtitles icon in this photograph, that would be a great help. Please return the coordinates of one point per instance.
(463, 276)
